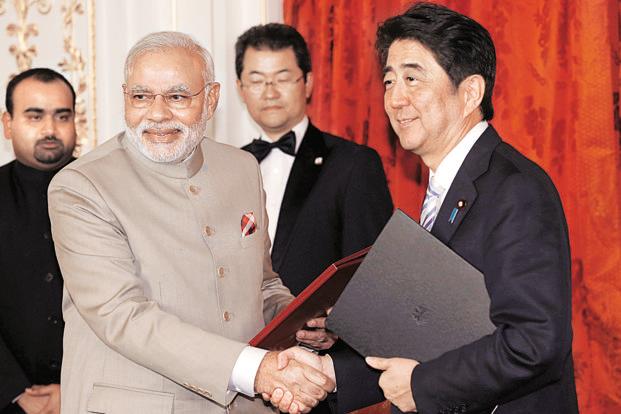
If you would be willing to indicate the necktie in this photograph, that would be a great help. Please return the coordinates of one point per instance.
(431, 205)
(261, 149)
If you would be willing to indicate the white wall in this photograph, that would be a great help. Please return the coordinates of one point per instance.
(116, 26)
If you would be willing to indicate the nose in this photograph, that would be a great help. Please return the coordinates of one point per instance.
(48, 126)
(159, 110)
(271, 91)
(395, 97)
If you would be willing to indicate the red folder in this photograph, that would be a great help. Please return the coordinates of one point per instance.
(312, 302)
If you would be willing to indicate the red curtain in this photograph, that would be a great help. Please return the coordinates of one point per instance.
(556, 100)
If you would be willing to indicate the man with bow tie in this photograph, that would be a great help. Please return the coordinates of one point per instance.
(326, 197)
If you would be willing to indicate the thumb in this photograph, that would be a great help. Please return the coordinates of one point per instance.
(38, 390)
(284, 357)
(378, 363)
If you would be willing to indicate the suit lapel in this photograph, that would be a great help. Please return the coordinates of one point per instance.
(302, 178)
(463, 194)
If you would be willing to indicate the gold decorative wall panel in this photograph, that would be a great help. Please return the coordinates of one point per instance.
(29, 32)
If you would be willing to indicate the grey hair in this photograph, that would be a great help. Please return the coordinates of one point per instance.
(161, 41)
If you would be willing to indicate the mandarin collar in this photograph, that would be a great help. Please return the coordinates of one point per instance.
(34, 176)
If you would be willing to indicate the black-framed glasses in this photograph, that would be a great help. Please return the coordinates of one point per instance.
(259, 85)
(176, 100)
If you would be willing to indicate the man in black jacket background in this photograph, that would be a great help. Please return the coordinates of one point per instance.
(39, 120)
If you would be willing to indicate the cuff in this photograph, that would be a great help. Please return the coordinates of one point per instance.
(17, 398)
(245, 370)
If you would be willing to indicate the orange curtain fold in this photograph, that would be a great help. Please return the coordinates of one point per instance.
(556, 100)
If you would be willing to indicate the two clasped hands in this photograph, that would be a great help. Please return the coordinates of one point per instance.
(296, 379)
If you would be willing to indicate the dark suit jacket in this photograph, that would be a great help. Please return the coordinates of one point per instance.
(31, 324)
(336, 202)
(513, 230)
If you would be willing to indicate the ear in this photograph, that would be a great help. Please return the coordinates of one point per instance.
(472, 89)
(308, 86)
(212, 99)
(6, 125)
(240, 90)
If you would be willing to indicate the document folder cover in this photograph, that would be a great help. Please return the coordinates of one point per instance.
(312, 302)
(412, 297)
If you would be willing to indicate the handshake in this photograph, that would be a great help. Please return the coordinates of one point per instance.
(295, 380)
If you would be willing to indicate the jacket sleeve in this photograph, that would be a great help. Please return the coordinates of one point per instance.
(101, 278)
(526, 265)
(367, 204)
(13, 380)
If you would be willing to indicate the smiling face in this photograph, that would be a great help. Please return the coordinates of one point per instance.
(428, 114)
(281, 104)
(42, 127)
(163, 133)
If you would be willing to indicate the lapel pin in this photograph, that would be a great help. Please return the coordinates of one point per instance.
(318, 160)
(460, 204)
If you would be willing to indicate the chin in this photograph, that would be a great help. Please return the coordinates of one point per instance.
(408, 143)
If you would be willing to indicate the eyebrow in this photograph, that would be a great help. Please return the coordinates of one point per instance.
(402, 66)
(42, 111)
(172, 89)
(256, 72)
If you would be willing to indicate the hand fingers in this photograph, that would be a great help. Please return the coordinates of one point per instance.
(314, 392)
(265, 396)
(317, 322)
(304, 401)
(37, 390)
(378, 363)
(276, 396)
(318, 335)
(319, 339)
(302, 356)
(285, 403)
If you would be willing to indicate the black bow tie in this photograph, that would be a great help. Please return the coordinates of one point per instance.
(260, 149)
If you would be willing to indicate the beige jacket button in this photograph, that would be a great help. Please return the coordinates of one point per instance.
(209, 231)
(227, 316)
(221, 271)
(194, 189)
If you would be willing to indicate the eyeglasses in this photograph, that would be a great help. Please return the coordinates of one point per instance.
(259, 85)
(176, 100)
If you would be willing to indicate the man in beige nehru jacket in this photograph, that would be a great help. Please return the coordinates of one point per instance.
(161, 235)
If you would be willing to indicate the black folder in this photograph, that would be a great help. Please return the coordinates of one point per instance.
(412, 297)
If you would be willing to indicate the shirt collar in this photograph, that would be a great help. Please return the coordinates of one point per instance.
(299, 130)
(447, 170)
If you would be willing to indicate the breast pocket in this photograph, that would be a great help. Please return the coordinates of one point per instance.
(116, 399)
(252, 240)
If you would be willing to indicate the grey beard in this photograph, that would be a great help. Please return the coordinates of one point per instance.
(168, 153)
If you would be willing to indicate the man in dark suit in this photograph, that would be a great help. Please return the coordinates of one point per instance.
(326, 197)
(39, 120)
(492, 206)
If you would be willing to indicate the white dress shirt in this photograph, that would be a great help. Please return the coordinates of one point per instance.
(275, 169)
(447, 170)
